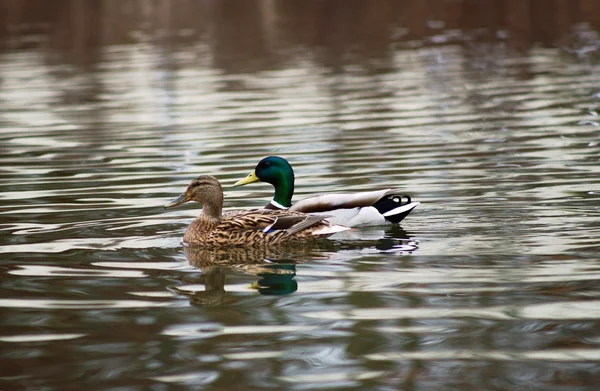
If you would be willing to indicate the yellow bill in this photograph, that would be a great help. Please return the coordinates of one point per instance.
(249, 179)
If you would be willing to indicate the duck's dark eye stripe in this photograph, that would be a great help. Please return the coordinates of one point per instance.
(199, 183)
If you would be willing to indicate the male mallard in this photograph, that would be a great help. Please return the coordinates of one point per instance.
(365, 208)
(246, 227)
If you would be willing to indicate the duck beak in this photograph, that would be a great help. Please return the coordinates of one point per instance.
(178, 201)
(249, 179)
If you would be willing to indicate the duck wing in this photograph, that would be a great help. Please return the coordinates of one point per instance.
(292, 224)
(327, 202)
(308, 221)
(269, 221)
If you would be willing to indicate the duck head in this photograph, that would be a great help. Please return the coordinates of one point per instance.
(205, 189)
(276, 171)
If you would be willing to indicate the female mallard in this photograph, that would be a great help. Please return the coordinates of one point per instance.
(365, 208)
(245, 227)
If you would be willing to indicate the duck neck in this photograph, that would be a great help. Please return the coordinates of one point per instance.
(284, 190)
(211, 212)
(212, 209)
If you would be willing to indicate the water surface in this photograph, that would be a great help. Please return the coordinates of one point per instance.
(490, 284)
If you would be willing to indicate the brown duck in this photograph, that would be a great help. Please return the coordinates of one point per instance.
(246, 227)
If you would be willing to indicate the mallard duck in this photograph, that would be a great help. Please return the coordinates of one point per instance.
(364, 208)
(246, 227)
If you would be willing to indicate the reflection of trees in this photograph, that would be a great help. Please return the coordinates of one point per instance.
(253, 32)
(239, 37)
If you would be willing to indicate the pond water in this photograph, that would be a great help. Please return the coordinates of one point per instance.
(492, 283)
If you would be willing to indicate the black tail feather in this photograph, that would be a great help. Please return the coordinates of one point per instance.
(397, 218)
(393, 201)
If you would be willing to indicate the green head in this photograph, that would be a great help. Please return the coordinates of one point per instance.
(276, 171)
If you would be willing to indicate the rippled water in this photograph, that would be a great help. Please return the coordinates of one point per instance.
(491, 283)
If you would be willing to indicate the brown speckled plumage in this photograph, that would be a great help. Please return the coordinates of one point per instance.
(258, 226)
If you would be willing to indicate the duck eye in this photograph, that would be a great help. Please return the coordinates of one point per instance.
(265, 164)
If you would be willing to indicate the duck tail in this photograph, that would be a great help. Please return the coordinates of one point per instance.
(393, 208)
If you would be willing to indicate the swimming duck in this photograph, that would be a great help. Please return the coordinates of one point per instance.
(246, 227)
(364, 208)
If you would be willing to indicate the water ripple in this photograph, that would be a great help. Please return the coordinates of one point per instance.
(48, 304)
(546, 355)
(492, 283)
(554, 311)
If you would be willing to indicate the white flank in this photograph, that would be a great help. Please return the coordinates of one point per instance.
(332, 229)
(367, 216)
(401, 209)
(339, 216)
(354, 217)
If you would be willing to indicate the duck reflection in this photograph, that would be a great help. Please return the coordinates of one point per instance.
(391, 239)
(274, 267)
(396, 238)
(277, 281)
(214, 288)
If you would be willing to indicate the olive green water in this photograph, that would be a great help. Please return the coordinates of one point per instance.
(492, 283)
